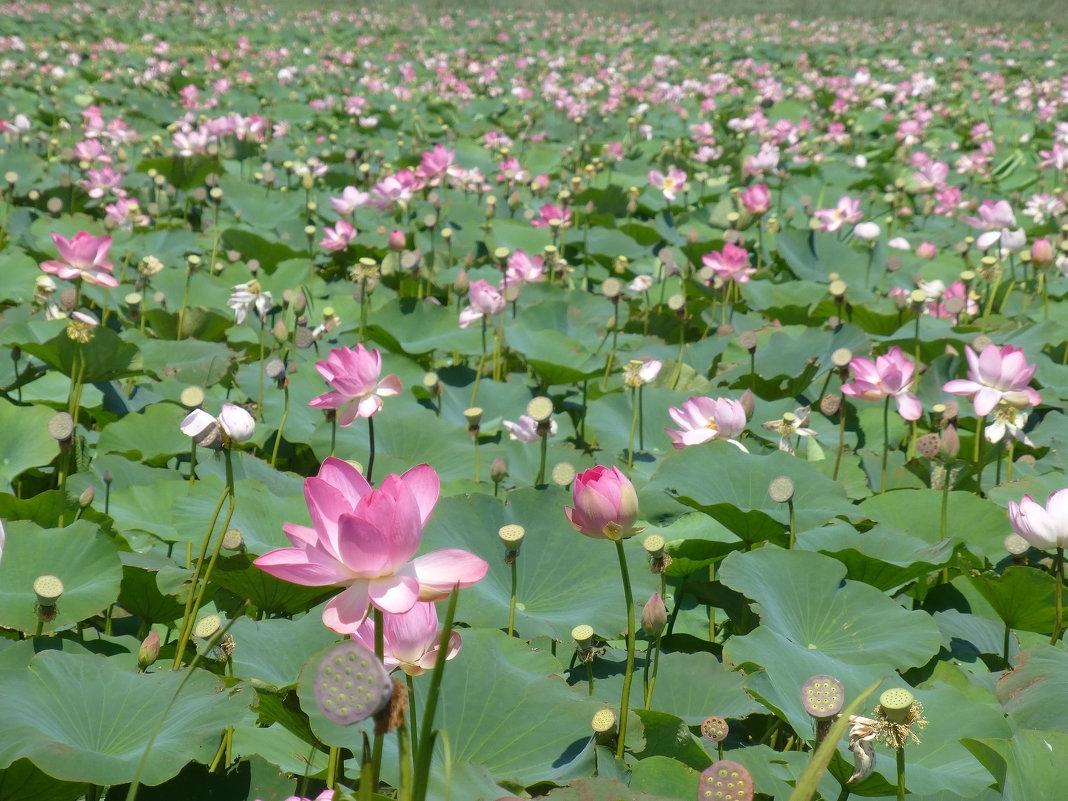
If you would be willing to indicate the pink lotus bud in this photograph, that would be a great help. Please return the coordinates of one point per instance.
(950, 443)
(149, 651)
(397, 240)
(1042, 255)
(606, 505)
(926, 250)
(654, 616)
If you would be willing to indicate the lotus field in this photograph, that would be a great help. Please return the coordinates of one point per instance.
(497, 405)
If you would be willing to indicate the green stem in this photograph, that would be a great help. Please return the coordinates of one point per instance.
(380, 650)
(945, 505)
(282, 424)
(404, 753)
(426, 740)
(979, 426)
(886, 440)
(624, 701)
(641, 420)
(511, 602)
(413, 729)
(541, 464)
(371, 447)
(1005, 647)
(900, 774)
(196, 596)
(1058, 567)
(259, 399)
(633, 426)
(793, 522)
(841, 441)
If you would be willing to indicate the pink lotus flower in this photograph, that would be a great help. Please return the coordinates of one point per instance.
(756, 199)
(354, 375)
(350, 200)
(730, 264)
(526, 430)
(549, 215)
(705, 419)
(523, 268)
(847, 211)
(888, 376)
(364, 539)
(1043, 527)
(338, 237)
(485, 299)
(994, 375)
(670, 184)
(606, 505)
(82, 257)
(435, 164)
(993, 216)
(411, 640)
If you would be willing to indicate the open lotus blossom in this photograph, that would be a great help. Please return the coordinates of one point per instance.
(234, 424)
(358, 390)
(703, 419)
(84, 257)
(730, 264)
(994, 375)
(637, 373)
(411, 640)
(363, 539)
(846, 212)
(246, 297)
(484, 299)
(526, 430)
(889, 375)
(1008, 421)
(992, 216)
(606, 505)
(338, 237)
(670, 184)
(523, 268)
(1043, 527)
(350, 200)
(550, 215)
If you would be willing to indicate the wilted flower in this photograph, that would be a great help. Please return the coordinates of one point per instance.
(411, 640)
(245, 297)
(791, 424)
(1008, 420)
(354, 375)
(606, 505)
(670, 184)
(702, 419)
(234, 424)
(363, 539)
(996, 374)
(526, 430)
(637, 373)
(83, 257)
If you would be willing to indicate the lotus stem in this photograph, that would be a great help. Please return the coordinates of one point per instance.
(886, 440)
(900, 774)
(371, 447)
(624, 701)
(1058, 567)
(282, 425)
(426, 740)
(380, 650)
(511, 601)
(633, 426)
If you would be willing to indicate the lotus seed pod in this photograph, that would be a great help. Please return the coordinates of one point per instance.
(540, 408)
(714, 729)
(192, 397)
(583, 634)
(473, 416)
(611, 288)
(233, 540)
(48, 589)
(61, 428)
(830, 404)
(351, 684)
(841, 357)
(563, 473)
(207, 626)
(512, 536)
(822, 696)
(748, 341)
(604, 721)
(1016, 545)
(781, 488)
(725, 780)
(895, 704)
(928, 445)
(654, 545)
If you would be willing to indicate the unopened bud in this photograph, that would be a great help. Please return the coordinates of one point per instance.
(86, 498)
(149, 650)
(949, 446)
(748, 401)
(498, 470)
(654, 616)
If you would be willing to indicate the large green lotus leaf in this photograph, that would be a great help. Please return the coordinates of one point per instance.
(980, 524)
(198, 322)
(190, 361)
(24, 781)
(409, 326)
(184, 173)
(520, 235)
(20, 273)
(811, 607)
(104, 357)
(79, 555)
(610, 244)
(732, 487)
(665, 777)
(83, 718)
(259, 657)
(26, 440)
(253, 243)
(154, 434)
(1040, 674)
(668, 736)
(563, 577)
(1025, 766)
(1022, 596)
(280, 747)
(968, 636)
(237, 574)
(175, 511)
(140, 594)
(604, 789)
(882, 557)
(554, 357)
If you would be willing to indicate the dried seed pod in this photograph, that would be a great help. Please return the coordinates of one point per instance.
(351, 684)
(725, 780)
(714, 729)
(822, 696)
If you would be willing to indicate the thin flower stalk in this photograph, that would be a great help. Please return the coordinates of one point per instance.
(425, 751)
(628, 675)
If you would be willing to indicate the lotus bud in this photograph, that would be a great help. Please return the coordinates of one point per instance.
(397, 240)
(1042, 255)
(949, 444)
(748, 401)
(654, 616)
(498, 470)
(149, 650)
